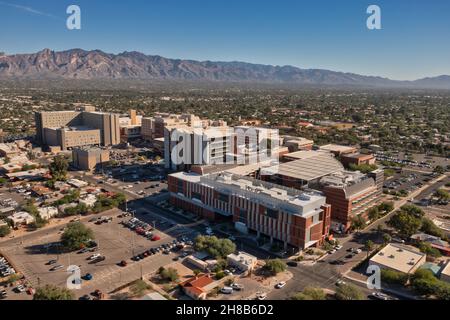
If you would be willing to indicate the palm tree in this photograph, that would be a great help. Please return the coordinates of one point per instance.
(369, 246)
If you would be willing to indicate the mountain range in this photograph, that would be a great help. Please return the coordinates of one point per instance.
(97, 65)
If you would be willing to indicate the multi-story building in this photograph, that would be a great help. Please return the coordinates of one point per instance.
(357, 159)
(155, 127)
(89, 158)
(187, 146)
(279, 214)
(350, 194)
(69, 129)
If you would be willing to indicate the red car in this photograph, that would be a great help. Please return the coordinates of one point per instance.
(156, 238)
(123, 263)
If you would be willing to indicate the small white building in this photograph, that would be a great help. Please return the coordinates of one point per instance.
(77, 183)
(21, 218)
(242, 261)
(399, 258)
(47, 212)
(154, 296)
(89, 201)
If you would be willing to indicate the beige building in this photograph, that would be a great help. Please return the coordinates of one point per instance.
(242, 261)
(89, 158)
(445, 272)
(69, 129)
(399, 258)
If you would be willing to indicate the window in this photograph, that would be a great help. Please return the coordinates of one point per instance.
(180, 186)
(243, 216)
(222, 197)
(196, 195)
(272, 213)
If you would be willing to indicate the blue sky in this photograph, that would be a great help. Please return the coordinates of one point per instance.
(329, 34)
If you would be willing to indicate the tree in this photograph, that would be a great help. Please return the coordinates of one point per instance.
(218, 248)
(439, 170)
(4, 231)
(394, 277)
(58, 168)
(76, 236)
(442, 194)
(373, 214)
(406, 223)
(369, 246)
(51, 292)
(386, 207)
(429, 227)
(429, 250)
(386, 238)
(169, 274)
(310, 293)
(275, 266)
(348, 292)
(358, 223)
(139, 287)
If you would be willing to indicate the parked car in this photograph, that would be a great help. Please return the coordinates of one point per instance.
(58, 267)
(88, 277)
(237, 287)
(280, 285)
(123, 263)
(379, 296)
(226, 290)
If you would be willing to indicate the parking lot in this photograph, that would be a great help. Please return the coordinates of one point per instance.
(408, 181)
(115, 241)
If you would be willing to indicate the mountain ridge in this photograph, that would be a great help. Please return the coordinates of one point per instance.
(96, 64)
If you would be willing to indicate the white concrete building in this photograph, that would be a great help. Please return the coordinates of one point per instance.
(47, 212)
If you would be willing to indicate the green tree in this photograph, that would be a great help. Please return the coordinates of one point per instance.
(348, 292)
(439, 170)
(386, 207)
(369, 246)
(429, 227)
(76, 236)
(139, 287)
(357, 223)
(442, 194)
(275, 266)
(169, 274)
(310, 293)
(429, 250)
(58, 168)
(373, 214)
(51, 292)
(218, 248)
(386, 238)
(394, 277)
(405, 223)
(4, 231)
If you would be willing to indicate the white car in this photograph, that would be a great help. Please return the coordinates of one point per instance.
(280, 285)
(338, 247)
(226, 290)
(380, 296)
(20, 288)
(94, 256)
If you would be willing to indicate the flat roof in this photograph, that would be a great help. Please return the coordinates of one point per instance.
(187, 176)
(310, 165)
(337, 148)
(398, 257)
(446, 270)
